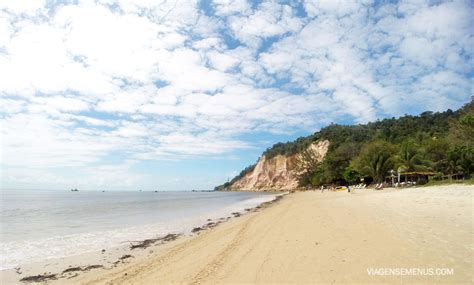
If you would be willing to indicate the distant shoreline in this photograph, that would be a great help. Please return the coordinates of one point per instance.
(466, 182)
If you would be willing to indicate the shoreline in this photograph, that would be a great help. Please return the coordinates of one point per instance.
(68, 268)
(330, 237)
(312, 237)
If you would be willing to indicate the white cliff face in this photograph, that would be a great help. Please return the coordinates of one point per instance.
(277, 173)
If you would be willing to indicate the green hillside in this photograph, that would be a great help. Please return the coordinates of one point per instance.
(435, 142)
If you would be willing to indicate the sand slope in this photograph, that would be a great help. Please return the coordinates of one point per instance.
(331, 237)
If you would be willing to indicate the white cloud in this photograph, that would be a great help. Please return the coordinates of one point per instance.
(222, 61)
(20, 7)
(36, 61)
(268, 21)
(155, 80)
(36, 141)
(212, 43)
(331, 53)
(206, 143)
(337, 8)
(186, 68)
(6, 30)
(230, 7)
(57, 104)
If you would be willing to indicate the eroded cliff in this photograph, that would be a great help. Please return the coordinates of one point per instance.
(277, 173)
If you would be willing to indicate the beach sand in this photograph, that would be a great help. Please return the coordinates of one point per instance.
(313, 237)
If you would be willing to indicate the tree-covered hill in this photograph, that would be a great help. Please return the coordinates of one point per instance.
(440, 142)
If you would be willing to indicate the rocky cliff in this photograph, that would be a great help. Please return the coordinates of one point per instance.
(277, 173)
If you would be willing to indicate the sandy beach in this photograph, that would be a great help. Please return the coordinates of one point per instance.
(424, 234)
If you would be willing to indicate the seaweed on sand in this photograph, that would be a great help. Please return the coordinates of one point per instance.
(39, 278)
(126, 256)
(85, 268)
(148, 242)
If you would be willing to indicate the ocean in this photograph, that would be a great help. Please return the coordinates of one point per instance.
(40, 225)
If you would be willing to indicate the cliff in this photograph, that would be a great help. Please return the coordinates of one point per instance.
(277, 173)
(440, 139)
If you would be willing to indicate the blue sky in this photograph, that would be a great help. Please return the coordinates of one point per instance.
(181, 95)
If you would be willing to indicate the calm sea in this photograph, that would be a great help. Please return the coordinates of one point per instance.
(39, 225)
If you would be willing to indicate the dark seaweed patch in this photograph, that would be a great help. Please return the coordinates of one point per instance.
(148, 242)
(39, 278)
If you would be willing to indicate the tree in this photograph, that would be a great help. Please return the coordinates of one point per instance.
(423, 142)
(375, 160)
(460, 160)
(351, 175)
(410, 158)
(336, 162)
(462, 129)
(308, 162)
(436, 153)
(319, 176)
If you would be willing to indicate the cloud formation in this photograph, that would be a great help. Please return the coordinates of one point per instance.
(83, 81)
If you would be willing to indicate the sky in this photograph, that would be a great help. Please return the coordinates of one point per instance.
(182, 94)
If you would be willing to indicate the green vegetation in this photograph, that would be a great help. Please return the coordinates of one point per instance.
(375, 160)
(440, 143)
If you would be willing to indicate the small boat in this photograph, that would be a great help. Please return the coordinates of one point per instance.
(340, 188)
(74, 190)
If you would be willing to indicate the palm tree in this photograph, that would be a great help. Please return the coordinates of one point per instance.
(453, 167)
(459, 160)
(375, 160)
(409, 158)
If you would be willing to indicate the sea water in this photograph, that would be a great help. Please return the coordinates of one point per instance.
(40, 225)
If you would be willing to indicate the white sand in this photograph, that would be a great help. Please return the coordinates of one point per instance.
(315, 237)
